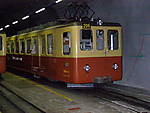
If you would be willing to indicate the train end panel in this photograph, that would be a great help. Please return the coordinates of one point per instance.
(98, 70)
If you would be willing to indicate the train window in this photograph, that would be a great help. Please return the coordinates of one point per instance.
(112, 39)
(1, 42)
(99, 39)
(28, 45)
(35, 49)
(8, 47)
(66, 43)
(12, 46)
(50, 43)
(43, 43)
(22, 46)
(17, 46)
(86, 40)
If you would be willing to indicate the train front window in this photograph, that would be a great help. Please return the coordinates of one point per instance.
(113, 43)
(22, 46)
(99, 39)
(1, 42)
(86, 40)
(50, 43)
(66, 43)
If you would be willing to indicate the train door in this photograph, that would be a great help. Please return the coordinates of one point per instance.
(43, 60)
(100, 42)
(113, 42)
(35, 54)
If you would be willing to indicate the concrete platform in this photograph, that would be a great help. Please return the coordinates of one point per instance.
(54, 99)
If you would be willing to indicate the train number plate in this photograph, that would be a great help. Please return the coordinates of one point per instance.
(86, 26)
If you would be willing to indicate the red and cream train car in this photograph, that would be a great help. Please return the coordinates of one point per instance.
(2, 53)
(74, 52)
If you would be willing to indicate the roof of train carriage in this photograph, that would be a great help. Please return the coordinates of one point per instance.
(64, 23)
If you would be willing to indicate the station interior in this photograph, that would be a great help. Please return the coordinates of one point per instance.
(134, 18)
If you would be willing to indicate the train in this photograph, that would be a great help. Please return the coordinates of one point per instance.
(74, 52)
(2, 54)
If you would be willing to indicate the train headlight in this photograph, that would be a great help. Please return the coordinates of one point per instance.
(115, 66)
(87, 68)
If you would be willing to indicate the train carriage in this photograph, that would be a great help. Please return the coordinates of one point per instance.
(74, 52)
(2, 53)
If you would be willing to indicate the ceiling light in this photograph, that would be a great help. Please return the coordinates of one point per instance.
(40, 10)
(7, 26)
(15, 22)
(58, 1)
(25, 17)
(1, 29)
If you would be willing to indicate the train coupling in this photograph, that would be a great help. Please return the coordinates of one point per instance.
(104, 79)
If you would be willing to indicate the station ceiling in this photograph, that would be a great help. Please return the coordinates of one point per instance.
(12, 10)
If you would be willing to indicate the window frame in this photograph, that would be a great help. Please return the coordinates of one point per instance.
(21, 47)
(103, 47)
(41, 41)
(8, 50)
(1, 43)
(109, 41)
(17, 48)
(26, 43)
(69, 45)
(33, 52)
(86, 40)
(50, 45)
(12, 42)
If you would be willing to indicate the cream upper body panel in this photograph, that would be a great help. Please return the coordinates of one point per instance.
(75, 35)
(99, 53)
(75, 42)
(3, 46)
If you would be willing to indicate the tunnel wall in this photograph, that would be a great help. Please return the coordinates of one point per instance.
(134, 17)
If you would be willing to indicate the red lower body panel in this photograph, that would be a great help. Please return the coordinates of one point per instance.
(100, 67)
(68, 69)
(2, 64)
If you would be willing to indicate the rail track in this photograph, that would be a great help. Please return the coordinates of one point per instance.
(104, 95)
(12, 102)
(128, 102)
(113, 98)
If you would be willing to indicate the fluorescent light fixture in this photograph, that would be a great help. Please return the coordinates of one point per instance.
(7, 26)
(58, 1)
(40, 10)
(1, 29)
(25, 17)
(15, 22)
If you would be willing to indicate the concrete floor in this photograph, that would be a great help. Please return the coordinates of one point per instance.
(54, 99)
